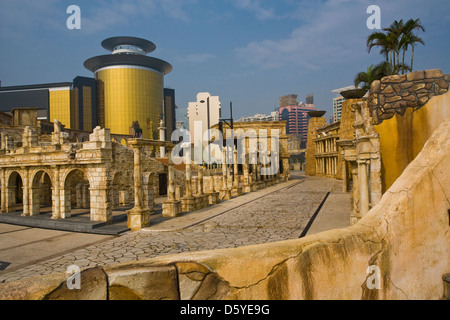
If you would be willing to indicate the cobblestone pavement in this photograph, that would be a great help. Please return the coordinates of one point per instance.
(277, 216)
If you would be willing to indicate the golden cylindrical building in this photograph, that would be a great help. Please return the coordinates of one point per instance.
(130, 86)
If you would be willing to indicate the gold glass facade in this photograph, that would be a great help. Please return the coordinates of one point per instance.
(87, 109)
(60, 102)
(127, 94)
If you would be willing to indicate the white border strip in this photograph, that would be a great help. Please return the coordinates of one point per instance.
(127, 66)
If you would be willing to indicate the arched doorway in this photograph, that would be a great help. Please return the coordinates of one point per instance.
(75, 194)
(40, 192)
(14, 192)
(120, 190)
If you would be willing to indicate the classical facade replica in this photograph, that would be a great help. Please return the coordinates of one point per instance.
(41, 170)
(377, 137)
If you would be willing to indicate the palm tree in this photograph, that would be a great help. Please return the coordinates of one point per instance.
(384, 41)
(411, 38)
(373, 73)
(394, 32)
(394, 39)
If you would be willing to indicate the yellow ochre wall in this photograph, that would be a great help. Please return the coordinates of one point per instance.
(403, 137)
(60, 102)
(128, 94)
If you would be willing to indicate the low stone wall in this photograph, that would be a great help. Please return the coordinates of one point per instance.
(394, 94)
(399, 250)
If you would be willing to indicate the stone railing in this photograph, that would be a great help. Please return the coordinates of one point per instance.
(394, 94)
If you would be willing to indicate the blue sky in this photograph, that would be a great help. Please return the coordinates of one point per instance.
(250, 52)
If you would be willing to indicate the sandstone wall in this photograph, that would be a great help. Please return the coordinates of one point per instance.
(405, 117)
(310, 160)
(406, 235)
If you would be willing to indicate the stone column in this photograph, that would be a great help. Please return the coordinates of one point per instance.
(188, 179)
(100, 206)
(65, 201)
(363, 187)
(235, 170)
(35, 203)
(3, 189)
(26, 193)
(162, 137)
(56, 213)
(85, 196)
(171, 177)
(200, 182)
(246, 173)
(344, 176)
(11, 198)
(137, 177)
(225, 193)
(172, 207)
(138, 217)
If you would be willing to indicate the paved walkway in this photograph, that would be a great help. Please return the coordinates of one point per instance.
(276, 213)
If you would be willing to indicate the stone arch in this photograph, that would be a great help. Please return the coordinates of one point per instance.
(14, 191)
(120, 190)
(75, 191)
(40, 191)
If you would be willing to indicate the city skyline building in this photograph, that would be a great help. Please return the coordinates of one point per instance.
(72, 103)
(274, 116)
(296, 115)
(207, 110)
(337, 102)
(130, 85)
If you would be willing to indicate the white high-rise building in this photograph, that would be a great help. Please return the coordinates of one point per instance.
(337, 103)
(198, 111)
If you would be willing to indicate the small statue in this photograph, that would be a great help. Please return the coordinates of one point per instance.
(57, 126)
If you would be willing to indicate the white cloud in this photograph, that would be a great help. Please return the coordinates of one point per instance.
(255, 7)
(19, 15)
(327, 37)
(195, 58)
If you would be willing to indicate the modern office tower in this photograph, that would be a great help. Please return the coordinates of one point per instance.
(310, 99)
(296, 115)
(207, 110)
(74, 104)
(337, 108)
(289, 100)
(130, 86)
(169, 112)
(85, 96)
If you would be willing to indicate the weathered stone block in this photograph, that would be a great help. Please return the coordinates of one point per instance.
(442, 83)
(433, 73)
(394, 79)
(375, 86)
(171, 209)
(143, 283)
(417, 87)
(138, 218)
(406, 85)
(423, 100)
(393, 99)
(387, 90)
(415, 75)
(410, 98)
